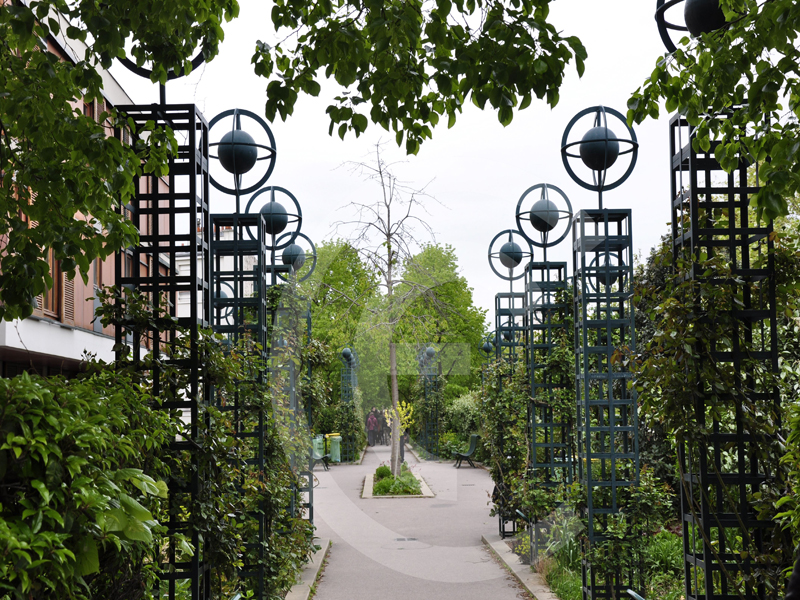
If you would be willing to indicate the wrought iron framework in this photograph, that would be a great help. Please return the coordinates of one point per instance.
(606, 427)
(171, 214)
(722, 470)
(551, 455)
(429, 374)
(511, 325)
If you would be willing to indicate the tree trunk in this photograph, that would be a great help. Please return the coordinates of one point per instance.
(395, 410)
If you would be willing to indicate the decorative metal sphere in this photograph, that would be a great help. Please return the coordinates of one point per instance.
(599, 148)
(236, 144)
(276, 217)
(430, 352)
(487, 347)
(510, 254)
(302, 248)
(703, 16)
(511, 248)
(294, 255)
(220, 294)
(347, 354)
(507, 333)
(544, 215)
(238, 152)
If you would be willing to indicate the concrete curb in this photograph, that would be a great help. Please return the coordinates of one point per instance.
(308, 576)
(366, 493)
(531, 581)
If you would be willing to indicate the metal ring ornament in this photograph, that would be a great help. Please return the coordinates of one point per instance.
(171, 75)
(662, 6)
(510, 233)
(271, 151)
(610, 273)
(563, 215)
(296, 218)
(538, 310)
(599, 184)
(312, 254)
(227, 311)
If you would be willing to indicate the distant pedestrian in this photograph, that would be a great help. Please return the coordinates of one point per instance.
(372, 428)
(383, 426)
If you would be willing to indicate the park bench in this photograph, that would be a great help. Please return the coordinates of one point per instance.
(459, 456)
(316, 457)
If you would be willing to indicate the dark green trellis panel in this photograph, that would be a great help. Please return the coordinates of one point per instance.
(239, 259)
(510, 325)
(551, 436)
(722, 471)
(429, 367)
(172, 216)
(606, 425)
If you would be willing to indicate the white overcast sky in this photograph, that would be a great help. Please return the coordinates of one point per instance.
(478, 169)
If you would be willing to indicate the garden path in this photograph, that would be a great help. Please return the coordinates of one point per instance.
(408, 548)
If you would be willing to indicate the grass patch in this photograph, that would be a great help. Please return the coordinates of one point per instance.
(564, 582)
(403, 485)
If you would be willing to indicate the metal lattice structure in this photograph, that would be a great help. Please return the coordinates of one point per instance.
(551, 436)
(348, 374)
(239, 260)
(606, 426)
(172, 216)
(429, 369)
(511, 325)
(722, 532)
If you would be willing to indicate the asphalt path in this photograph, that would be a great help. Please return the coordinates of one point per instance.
(409, 548)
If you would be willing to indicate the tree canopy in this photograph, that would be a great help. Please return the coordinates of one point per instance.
(403, 64)
(750, 65)
(400, 64)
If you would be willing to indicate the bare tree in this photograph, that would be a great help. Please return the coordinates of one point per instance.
(385, 231)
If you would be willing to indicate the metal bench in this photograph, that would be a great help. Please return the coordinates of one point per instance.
(459, 456)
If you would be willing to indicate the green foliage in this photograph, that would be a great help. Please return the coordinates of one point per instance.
(382, 472)
(58, 166)
(403, 65)
(750, 64)
(404, 484)
(83, 465)
(463, 416)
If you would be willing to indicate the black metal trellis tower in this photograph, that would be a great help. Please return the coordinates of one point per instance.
(348, 378)
(429, 368)
(606, 426)
(551, 434)
(239, 260)
(172, 216)
(723, 469)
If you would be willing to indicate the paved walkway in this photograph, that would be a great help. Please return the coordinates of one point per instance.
(409, 548)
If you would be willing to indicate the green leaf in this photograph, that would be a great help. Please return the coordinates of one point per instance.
(116, 519)
(134, 509)
(87, 556)
(138, 531)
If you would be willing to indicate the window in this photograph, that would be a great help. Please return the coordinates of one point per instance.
(98, 273)
(88, 109)
(51, 301)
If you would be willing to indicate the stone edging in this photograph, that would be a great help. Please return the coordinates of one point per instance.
(531, 581)
(308, 576)
(369, 479)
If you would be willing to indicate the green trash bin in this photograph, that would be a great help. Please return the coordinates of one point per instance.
(318, 443)
(336, 450)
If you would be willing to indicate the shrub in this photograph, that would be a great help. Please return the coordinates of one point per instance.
(382, 472)
(403, 485)
(463, 414)
(81, 474)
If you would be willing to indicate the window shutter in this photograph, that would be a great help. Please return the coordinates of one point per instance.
(68, 301)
